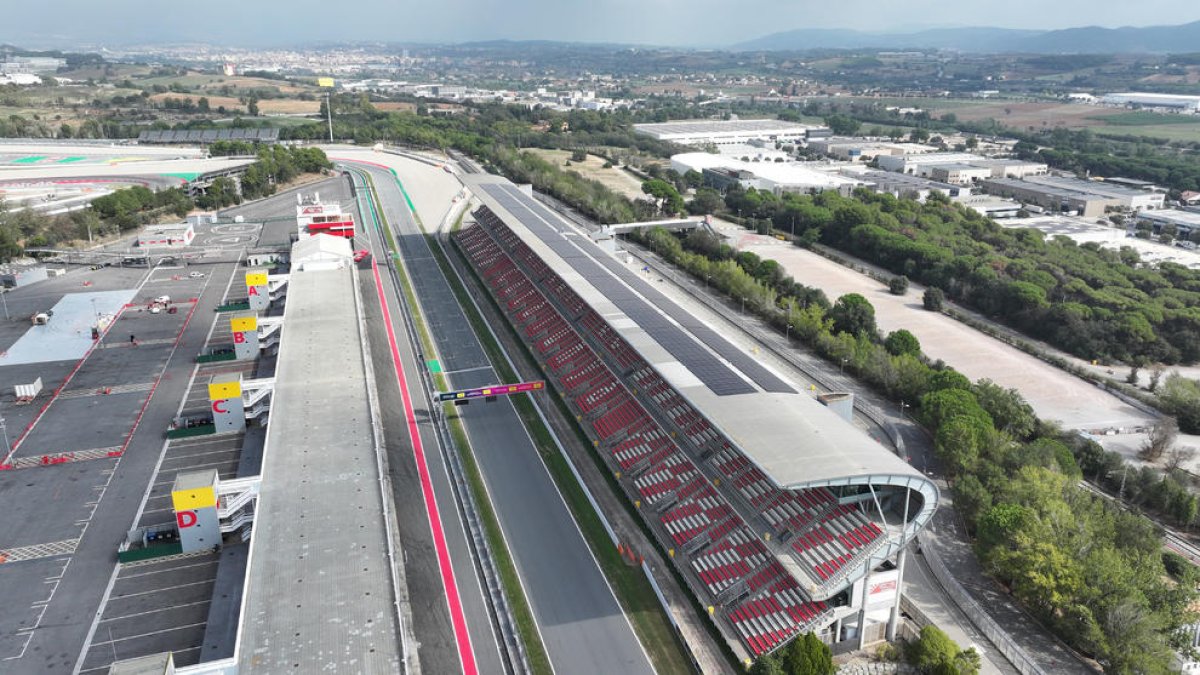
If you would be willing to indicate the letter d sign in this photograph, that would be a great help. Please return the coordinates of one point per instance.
(185, 519)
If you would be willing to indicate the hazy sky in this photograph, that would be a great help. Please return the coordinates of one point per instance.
(670, 22)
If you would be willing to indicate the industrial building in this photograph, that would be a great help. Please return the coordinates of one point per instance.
(863, 150)
(1179, 102)
(1127, 198)
(904, 185)
(928, 165)
(778, 514)
(955, 174)
(1050, 197)
(1186, 223)
(727, 132)
(910, 164)
(775, 177)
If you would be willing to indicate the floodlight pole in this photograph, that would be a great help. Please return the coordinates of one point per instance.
(4, 433)
(329, 112)
(4, 299)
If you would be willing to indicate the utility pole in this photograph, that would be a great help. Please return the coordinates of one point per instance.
(4, 298)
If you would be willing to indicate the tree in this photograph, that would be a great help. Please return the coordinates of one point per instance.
(578, 155)
(853, 314)
(203, 106)
(807, 655)
(918, 135)
(898, 285)
(902, 342)
(935, 653)
(668, 199)
(842, 125)
(252, 106)
(1009, 410)
(1159, 439)
(767, 664)
(706, 201)
(933, 299)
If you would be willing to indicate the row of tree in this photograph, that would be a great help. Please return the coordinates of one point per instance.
(1091, 572)
(132, 207)
(1090, 301)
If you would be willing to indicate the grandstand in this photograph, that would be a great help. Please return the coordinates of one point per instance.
(773, 508)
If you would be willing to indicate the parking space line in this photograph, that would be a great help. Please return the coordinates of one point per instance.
(168, 588)
(152, 633)
(155, 611)
(106, 667)
(123, 577)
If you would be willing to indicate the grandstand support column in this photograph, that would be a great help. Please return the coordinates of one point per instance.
(862, 611)
(894, 619)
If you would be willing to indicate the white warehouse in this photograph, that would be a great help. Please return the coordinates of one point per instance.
(1184, 103)
(727, 132)
(775, 177)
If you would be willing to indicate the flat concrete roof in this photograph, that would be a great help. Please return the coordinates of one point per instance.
(793, 438)
(1175, 216)
(319, 594)
(668, 130)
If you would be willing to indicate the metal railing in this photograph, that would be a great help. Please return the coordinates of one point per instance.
(978, 616)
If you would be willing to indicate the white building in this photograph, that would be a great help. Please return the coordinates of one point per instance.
(321, 252)
(775, 177)
(910, 163)
(166, 236)
(861, 149)
(1183, 103)
(726, 132)
(955, 174)
(20, 79)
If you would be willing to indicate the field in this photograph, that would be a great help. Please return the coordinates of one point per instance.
(615, 179)
(281, 106)
(1034, 115)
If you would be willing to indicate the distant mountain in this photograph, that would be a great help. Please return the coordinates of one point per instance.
(1091, 39)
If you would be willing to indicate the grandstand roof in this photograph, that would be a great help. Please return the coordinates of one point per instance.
(264, 135)
(793, 438)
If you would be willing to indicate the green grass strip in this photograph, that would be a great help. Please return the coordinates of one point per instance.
(632, 589)
(535, 651)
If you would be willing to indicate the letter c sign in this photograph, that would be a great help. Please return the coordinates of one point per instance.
(218, 406)
(185, 519)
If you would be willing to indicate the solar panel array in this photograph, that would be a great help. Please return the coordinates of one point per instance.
(209, 136)
(618, 285)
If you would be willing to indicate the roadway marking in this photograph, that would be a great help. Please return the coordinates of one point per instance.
(63, 458)
(35, 551)
(466, 370)
(462, 636)
(104, 391)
